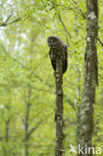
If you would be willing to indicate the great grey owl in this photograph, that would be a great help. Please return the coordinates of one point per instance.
(57, 49)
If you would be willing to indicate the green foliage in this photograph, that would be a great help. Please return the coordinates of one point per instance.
(26, 75)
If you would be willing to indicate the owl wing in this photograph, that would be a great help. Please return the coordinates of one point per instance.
(52, 58)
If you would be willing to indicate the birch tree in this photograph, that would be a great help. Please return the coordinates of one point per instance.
(90, 80)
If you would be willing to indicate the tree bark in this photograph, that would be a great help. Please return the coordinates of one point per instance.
(90, 81)
(59, 109)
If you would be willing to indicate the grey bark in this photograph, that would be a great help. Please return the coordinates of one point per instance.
(91, 78)
(78, 80)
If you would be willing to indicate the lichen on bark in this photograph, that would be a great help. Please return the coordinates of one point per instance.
(91, 78)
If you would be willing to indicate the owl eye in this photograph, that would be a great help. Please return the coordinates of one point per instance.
(53, 41)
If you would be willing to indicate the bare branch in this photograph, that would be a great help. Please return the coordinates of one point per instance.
(79, 9)
(70, 102)
(100, 41)
(60, 19)
(33, 129)
(82, 14)
(6, 21)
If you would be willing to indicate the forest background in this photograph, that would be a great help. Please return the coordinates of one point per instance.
(27, 86)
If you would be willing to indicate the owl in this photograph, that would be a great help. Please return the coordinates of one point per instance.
(57, 49)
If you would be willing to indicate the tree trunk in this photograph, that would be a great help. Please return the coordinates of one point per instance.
(58, 56)
(91, 78)
(28, 105)
(27, 114)
(59, 109)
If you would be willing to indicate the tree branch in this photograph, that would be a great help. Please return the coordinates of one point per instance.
(78, 11)
(100, 41)
(6, 21)
(70, 102)
(65, 29)
(33, 129)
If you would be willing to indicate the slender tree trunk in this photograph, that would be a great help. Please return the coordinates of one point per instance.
(7, 130)
(58, 56)
(78, 79)
(59, 109)
(26, 130)
(28, 106)
(91, 78)
(7, 126)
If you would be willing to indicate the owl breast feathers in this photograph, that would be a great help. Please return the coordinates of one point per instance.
(57, 49)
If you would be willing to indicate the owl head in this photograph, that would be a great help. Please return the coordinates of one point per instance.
(52, 41)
